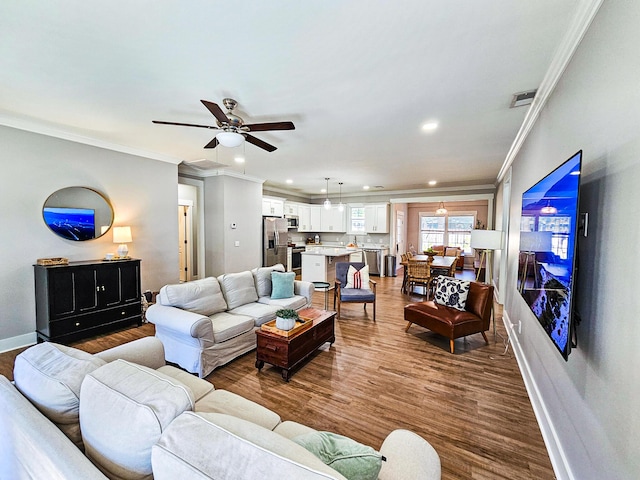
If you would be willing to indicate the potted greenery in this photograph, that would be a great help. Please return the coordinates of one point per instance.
(286, 318)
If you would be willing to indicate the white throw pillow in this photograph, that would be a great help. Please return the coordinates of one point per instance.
(358, 278)
(452, 292)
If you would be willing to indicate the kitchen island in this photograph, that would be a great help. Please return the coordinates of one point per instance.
(318, 263)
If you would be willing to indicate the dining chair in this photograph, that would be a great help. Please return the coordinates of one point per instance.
(419, 273)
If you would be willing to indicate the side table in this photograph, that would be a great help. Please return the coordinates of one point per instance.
(323, 286)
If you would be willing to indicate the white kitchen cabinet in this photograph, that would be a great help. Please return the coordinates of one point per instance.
(272, 207)
(291, 209)
(332, 220)
(315, 217)
(376, 218)
(304, 218)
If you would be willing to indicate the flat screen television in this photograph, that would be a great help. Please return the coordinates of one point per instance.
(71, 223)
(547, 260)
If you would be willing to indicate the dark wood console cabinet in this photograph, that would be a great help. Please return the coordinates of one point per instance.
(82, 299)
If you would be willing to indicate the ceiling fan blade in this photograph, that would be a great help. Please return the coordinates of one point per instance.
(259, 143)
(262, 127)
(216, 111)
(184, 124)
(212, 144)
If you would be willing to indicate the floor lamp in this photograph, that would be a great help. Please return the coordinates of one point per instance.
(530, 243)
(487, 241)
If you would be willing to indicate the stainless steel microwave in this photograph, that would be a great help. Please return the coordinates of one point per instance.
(292, 221)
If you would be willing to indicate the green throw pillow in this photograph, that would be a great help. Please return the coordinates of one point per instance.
(350, 458)
(282, 284)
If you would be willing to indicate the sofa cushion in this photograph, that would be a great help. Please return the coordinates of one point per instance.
(262, 278)
(235, 450)
(50, 375)
(352, 459)
(238, 288)
(124, 408)
(199, 296)
(222, 401)
(226, 325)
(199, 387)
(452, 292)
(260, 312)
(31, 447)
(296, 302)
(282, 284)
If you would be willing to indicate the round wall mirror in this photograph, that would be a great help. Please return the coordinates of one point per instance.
(78, 213)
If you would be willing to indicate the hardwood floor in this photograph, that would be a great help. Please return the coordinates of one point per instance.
(471, 406)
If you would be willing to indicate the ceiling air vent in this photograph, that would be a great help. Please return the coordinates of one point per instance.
(521, 99)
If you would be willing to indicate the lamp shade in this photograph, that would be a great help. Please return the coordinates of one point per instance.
(486, 239)
(230, 139)
(535, 241)
(122, 235)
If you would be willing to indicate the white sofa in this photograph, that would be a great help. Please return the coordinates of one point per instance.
(206, 323)
(141, 422)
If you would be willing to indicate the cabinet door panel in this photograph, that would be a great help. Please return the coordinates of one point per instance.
(129, 283)
(85, 289)
(62, 298)
(109, 284)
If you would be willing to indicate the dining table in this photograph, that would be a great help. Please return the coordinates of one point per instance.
(441, 265)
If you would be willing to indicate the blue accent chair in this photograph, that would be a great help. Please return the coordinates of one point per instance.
(352, 295)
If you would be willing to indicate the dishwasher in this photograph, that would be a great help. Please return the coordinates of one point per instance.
(373, 260)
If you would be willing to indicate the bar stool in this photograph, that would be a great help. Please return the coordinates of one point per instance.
(323, 286)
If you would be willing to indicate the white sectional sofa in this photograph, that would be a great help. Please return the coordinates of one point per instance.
(149, 421)
(206, 323)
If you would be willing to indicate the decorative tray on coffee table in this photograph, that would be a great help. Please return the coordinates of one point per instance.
(299, 327)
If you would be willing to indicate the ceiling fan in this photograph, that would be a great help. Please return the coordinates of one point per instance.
(233, 130)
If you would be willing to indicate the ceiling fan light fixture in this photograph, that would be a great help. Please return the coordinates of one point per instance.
(230, 139)
(441, 209)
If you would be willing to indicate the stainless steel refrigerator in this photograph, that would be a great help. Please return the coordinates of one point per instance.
(274, 241)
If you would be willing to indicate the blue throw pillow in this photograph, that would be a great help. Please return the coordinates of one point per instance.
(282, 284)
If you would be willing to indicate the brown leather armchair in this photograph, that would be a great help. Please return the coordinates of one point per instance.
(452, 323)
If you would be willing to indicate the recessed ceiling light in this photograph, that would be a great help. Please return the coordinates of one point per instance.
(432, 182)
(289, 181)
(429, 126)
(239, 159)
(366, 187)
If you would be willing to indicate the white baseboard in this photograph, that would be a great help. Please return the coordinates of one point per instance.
(559, 461)
(20, 341)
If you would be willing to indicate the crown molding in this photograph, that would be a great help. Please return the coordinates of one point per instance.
(36, 127)
(586, 12)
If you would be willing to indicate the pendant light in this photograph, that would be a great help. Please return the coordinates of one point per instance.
(340, 205)
(548, 209)
(327, 202)
(441, 210)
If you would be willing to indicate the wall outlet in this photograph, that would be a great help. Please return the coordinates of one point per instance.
(519, 327)
(236, 243)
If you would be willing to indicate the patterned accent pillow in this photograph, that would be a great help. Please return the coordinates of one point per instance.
(452, 292)
(358, 278)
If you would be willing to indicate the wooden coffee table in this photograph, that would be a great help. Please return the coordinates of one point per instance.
(289, 352)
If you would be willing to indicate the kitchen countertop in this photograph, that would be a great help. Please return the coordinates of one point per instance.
(331, 251)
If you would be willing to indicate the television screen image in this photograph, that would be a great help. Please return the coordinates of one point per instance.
(547, 262)
(71, 223)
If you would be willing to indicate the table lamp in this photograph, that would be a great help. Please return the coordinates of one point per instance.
(122, 235)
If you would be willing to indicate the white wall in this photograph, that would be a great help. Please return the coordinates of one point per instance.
(143, 193)
(589, 405)
(239, 201)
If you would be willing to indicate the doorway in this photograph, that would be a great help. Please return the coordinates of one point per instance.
(185, 240)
